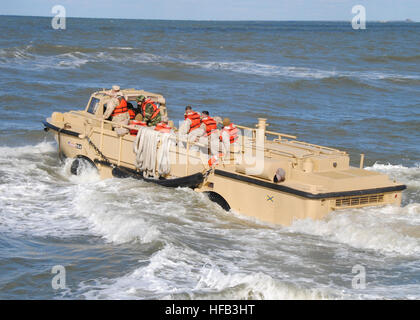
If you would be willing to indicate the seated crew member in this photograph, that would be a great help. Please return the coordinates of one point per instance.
(211, 133)
(192, 118)
(229, 136)
(191, 125)
(149, 110)
(163, 126)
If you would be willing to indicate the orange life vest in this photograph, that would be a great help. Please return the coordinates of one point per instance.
(132, 114)
(156, 110)
(195, 120)
(214, 161)
(121, 108)
(163, 127)
(232, 131)
(133, 132)
(211, 125)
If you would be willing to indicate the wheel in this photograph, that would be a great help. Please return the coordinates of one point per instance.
(81, 164)
(215, 197)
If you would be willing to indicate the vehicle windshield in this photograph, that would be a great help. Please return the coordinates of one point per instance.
(93, 106)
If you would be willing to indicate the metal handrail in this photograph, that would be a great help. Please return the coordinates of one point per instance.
(315, 146)
(273, 133)
(132, 127)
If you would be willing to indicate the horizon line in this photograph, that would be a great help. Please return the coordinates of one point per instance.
(407, 20)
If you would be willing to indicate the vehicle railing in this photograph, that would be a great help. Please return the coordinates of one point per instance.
(295, 142)
(102, 122)
(248, 142)
(278, 134)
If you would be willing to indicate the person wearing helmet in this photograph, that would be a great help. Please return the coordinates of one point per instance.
(149, 110)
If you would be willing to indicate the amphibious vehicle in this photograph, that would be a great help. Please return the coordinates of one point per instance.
(267, 175)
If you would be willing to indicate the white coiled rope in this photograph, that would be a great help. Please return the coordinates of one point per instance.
(152, 152)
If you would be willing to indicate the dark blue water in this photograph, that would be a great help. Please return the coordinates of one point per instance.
(323, 81)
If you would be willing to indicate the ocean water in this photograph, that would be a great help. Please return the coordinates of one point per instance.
(123, 239)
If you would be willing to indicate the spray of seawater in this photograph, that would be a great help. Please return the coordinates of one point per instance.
(203, 252)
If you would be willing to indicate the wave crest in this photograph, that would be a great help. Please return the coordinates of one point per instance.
(74, 57)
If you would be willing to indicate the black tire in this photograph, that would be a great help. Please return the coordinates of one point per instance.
(217, 198)
(79, 164)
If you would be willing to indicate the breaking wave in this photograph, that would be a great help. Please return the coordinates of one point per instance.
(407, 175)
(175, 273)
(388, 230)
(28, 57)
(295, 72)
(40, 197)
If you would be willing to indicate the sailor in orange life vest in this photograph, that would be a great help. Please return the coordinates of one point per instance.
(163, 126)
(149, 110)
(117, 109)
(190, 127)
(229, 137)
(211, 134)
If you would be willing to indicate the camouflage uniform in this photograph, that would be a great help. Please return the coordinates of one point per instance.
(148, 112)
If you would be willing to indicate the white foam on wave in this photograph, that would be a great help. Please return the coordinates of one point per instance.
(39, 197)
(32, 202)
(407, 175)
(226, 272)
(122, 48)
(15, 152)
(111, 213)
(40, 200)
(389, 230)
(213, 283)
(87, 174)
(254, 68)
(23, 58)
(155, 279)
(67, 61)
(264, 69)
(174, 273)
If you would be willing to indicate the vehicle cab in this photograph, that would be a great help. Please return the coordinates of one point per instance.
(98, 101)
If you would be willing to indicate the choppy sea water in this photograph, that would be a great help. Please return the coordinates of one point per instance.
(125, 239)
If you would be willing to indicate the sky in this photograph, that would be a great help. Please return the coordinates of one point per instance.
(376, 10)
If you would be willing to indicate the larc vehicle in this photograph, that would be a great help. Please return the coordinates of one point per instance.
(288, 180)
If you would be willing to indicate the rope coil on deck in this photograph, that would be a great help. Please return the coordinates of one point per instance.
(152, 152)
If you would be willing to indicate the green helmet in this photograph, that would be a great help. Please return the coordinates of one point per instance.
(140, 98)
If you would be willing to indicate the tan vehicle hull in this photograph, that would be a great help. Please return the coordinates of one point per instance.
(317, 181)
